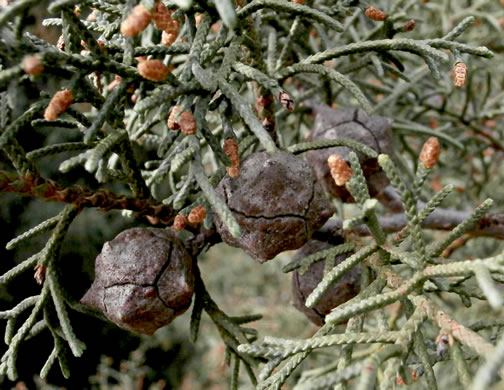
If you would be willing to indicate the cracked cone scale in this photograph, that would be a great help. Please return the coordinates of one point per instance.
(143, 280)
(277, 203)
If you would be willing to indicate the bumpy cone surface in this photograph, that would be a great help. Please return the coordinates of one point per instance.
(373, 131)
(302, 285)
(277, 203)
(143, 280)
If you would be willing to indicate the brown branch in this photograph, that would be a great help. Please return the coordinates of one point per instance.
(82, 197)
(491, 225)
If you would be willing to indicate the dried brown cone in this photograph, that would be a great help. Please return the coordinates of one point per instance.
(459, 74)
(153, 70)
(143, 280)
(33, 65)
(430, 152)
(167, 38)
(172, 121)
(58, 104)
(136, 22)
(298, 1)
(187, 123)
(373, 131)
(180, 222)
(276, 201)
(340, 171)
(197, 214)
(375, 14)
(161, 16)
(344, 289)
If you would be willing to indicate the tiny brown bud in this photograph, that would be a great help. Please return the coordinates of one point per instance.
(409, 25)
(167, 38)
(40, 272)
(375, 14)
(58, 104)
(92, 16)
(340, 171)
(180, 222)
(187, 123)
(136, 22)
(233, 171)
(459, 74)
(231, 150)
(33, 65)
(114, 83)
(197, 214)
(198, 18)
(286, 101)
(61, 43)
(153, 70)
(172, 122)
(161, 16)
(430, 152)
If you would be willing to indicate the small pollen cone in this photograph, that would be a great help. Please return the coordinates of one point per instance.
(180, 222)
(197, 214)
(136, 22)
(375, 14)
(459, 74)
(340, 171)
(430, 152)
(58, 104)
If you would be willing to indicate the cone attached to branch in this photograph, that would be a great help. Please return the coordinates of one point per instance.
(354, 124)
(277, 203)
(143, 280)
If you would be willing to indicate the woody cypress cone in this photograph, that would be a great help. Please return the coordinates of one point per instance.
(143, 280)
(276, 202)
(354, 124)
(302, 285)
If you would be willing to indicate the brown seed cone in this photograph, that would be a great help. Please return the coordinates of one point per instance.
(143, 280)
(167, 38)
(430, 152)
(197, 214)
(302, 285)
(180, 222)
(459, 74)
(172, 122)
(372, 131)
(277, 203)
(33, 65)
(375, 14)
(136, 22)
(187, 123)
(161, 16)
(58, 104)
(298, 1)
(340, 170)
(153, 70)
